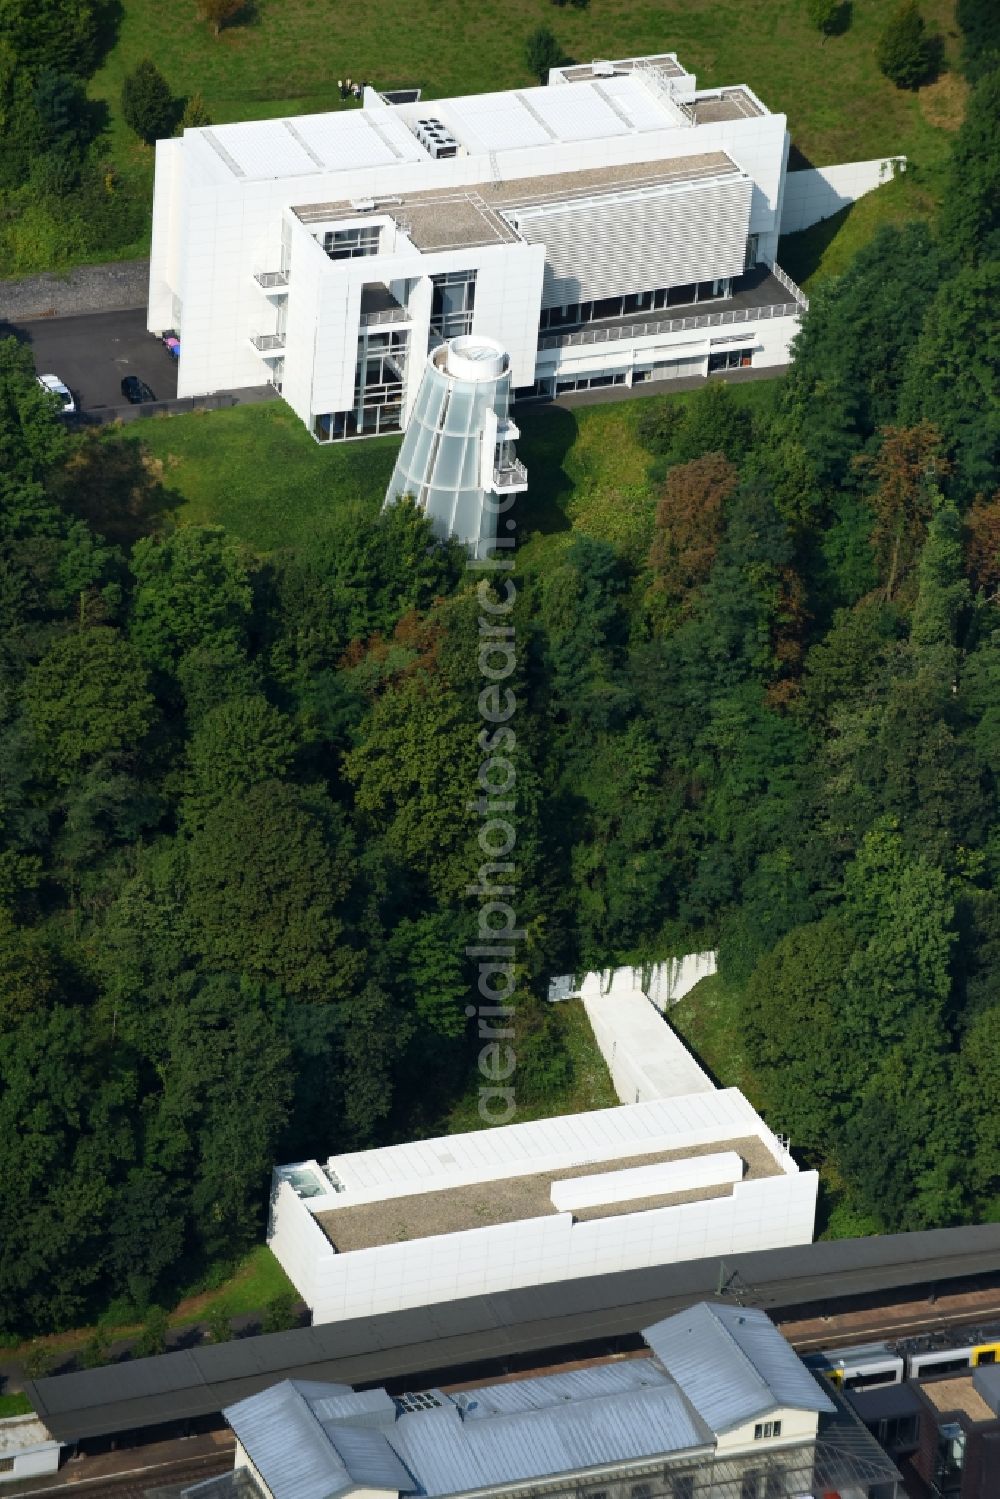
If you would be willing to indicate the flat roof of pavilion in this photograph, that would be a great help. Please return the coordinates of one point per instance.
(513, 1199)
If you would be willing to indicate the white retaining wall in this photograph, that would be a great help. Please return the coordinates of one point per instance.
(645, 1058)
(818, 192)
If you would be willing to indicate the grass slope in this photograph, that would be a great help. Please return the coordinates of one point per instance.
(589, 1085)
(287, 55)
(256, 471)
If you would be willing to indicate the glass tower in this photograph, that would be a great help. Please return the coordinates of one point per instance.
(457, 461)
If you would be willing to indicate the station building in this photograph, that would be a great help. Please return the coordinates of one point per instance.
(615, 226)
(719, 1408)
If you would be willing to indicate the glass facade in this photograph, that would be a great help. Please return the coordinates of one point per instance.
(349, 244)
(453, 302)
(655, 300)
(444, 464)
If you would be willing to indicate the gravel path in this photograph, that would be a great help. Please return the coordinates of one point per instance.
(89, 288)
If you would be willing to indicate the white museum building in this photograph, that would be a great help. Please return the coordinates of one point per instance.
(682, 1170)
(615, 226)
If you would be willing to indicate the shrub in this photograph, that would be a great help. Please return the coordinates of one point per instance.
(219, 12)
(38, 1361)
(220, 1328)
(153, 1338)
(195, 114)
(831, 17)
(542, 52)
(281, 1313)
(96, 1349)
(54, 174)
(147, 103)
(905, 52)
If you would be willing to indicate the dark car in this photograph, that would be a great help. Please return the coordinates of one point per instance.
(135, 390)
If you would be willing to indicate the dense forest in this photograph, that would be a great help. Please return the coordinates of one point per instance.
(236, 792)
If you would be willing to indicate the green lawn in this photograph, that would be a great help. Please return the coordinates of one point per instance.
(257, 471)
(707, 1020)
(827, 248)
(14, 1405)
(287, 56)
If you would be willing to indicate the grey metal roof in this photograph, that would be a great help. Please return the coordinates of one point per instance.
(479, 1331)
(480, 1439)
(453, 1453)
(733, 1364)
(301, 1457)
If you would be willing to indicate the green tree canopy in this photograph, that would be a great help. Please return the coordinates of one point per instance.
(87, 700)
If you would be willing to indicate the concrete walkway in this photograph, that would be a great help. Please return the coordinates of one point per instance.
(88, 288)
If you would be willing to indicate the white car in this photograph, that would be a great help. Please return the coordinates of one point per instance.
(56, 386)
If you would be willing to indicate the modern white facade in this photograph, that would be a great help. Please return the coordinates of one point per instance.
(684, 1172)
(615, 226)
(457, 461)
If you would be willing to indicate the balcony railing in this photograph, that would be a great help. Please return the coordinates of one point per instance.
(512, 476)
(271, 280)
(385, 315)
(267, 343)
(618, 331)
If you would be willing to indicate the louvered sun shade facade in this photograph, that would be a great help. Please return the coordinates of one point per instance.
(665, 236)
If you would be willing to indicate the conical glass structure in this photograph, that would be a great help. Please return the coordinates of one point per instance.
(457, 460)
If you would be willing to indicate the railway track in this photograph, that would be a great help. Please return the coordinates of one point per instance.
(138, 1482)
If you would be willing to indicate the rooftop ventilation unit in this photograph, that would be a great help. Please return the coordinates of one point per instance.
(436, 139)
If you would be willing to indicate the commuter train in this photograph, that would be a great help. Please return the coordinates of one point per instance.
(865, 1366)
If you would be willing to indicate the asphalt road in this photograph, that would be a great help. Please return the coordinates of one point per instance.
(92, 353)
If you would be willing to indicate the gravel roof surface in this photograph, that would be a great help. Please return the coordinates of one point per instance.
(488, 1203)
(442, 217)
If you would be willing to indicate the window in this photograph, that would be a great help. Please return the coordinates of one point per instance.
(453, 302)
(419, 1401)
(349, 244)
(730, 359)
(765, 1430)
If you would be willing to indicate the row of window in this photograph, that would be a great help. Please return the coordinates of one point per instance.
(655, 300)
(661, 369)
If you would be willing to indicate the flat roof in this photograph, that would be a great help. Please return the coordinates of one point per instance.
(956, 1393)
(340, 141)
(510, 1200)
(725, 104)
(666, 62)
(563, 1144)
(438, 219)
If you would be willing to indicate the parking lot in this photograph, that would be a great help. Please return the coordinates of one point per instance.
(93, 352)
